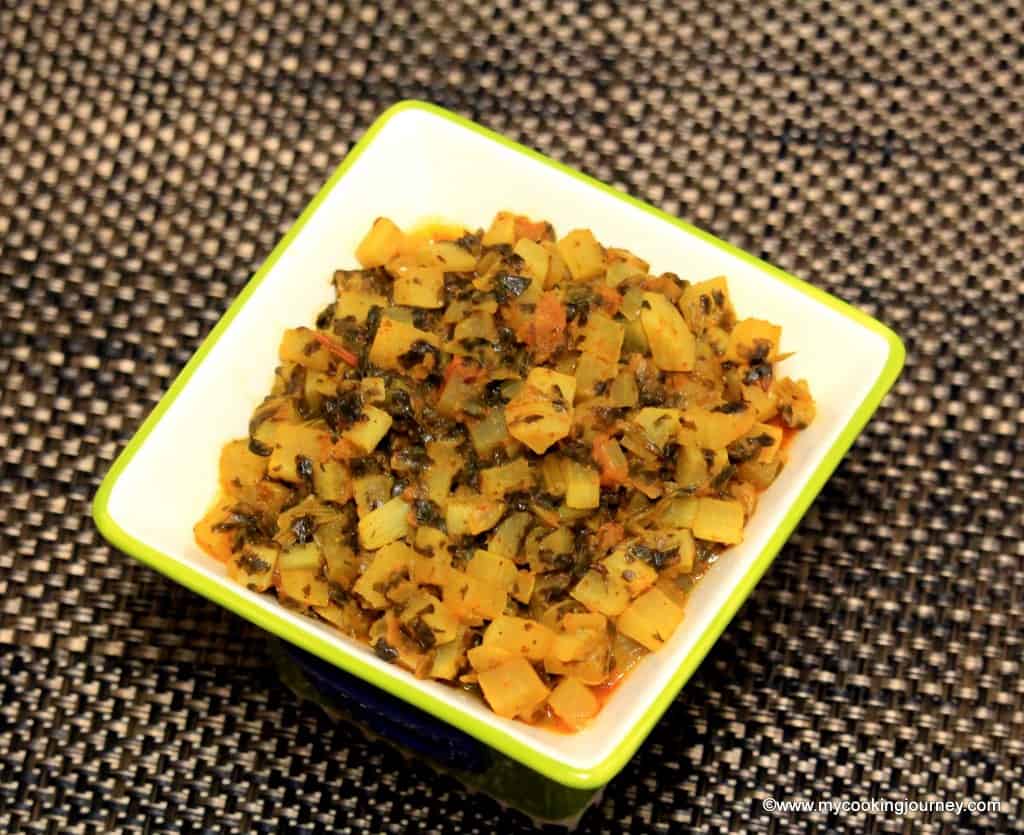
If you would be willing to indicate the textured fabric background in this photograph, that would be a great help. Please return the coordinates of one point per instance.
(152, 153)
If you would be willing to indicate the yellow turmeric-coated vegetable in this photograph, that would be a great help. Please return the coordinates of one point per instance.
(573, 702)
(501, 458)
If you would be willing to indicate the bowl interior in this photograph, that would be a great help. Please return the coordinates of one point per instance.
(423, 165)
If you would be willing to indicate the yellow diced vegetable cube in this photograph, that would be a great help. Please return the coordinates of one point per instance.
(254, 566)
(447, 661)
(359, 303)
(478, 326)
(444, 464)
(453, 256)
(614, 465)
(558, 270)
(709, 429)
(240, 468)
(493, 569)
(373, 389)
(331, 481)
(552, 385)
(305, 586)
(381, 244)
(441, 622)
(414, 604)
(601, 593)
(433, 570)
(342, 563)
(796, 406)
(582, 486)
(348, 618)
(292, 442)
(590, 621)
(371, 491)
(558, 541)
(507, 538)
(602, 337)
(764, 404)
(761, 475)
(523, 589)
(301, 346)
(650, 619)
(673, 548)
(691, 467)
(678, 513)
(430, 540)
(300, 557)
(635, 338)
(541, 413)
(419, 286)
(659, 425)
(536, 259)
(387, 523)
(501, 231)
(567, 647)
(754, 340)
(624, 391)
(473, 600)
(591, 669)
(632, 304)
(719, 520)
(706, 304)
(552, 470)
(635, 574)
(519, 636)
(393, 340)
(583, 255)
(623, 264)
(573, 702)
(512, 477)
(489, 433)
(318, 385)
(482, 658)
(590, 371)
(746, 494)
(687, 552)
(471, 513)
(368, 431)
(513, 688)
(401, 592)
(765, 432)
(672, 343)
(386, 563)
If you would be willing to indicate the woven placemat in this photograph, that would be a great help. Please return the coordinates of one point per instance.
(151, 153)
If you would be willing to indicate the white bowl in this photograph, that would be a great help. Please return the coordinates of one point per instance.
(418, 161)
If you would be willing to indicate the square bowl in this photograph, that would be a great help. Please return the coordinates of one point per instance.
(418, 161)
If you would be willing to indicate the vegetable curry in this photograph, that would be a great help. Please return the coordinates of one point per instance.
(502, 458)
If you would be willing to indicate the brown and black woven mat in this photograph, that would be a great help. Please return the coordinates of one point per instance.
(151, 153)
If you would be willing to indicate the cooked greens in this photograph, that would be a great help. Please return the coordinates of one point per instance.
(502, 459)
